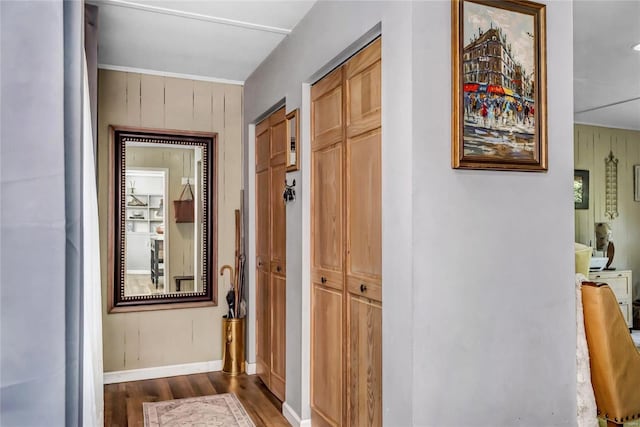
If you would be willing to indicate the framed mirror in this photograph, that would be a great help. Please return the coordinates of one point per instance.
(293, 142)
(162, 219)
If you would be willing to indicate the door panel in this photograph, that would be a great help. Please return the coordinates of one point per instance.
(263, 219)
(326, 356)
(270, 252)
(278, 142)
(278, 340)
(326, 111)
(278, 216)
(364, 88)
(263, 327)
(263, 149)
(364, 223)
(365, 362)
(326, 208)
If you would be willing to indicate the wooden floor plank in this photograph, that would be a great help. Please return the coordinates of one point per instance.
(123, 401)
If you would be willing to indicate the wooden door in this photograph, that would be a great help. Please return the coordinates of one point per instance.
(278, 251)
(271, 252)
(327, 287)
(263, 226)
(327, 252)
(346, 247)
(363, 173)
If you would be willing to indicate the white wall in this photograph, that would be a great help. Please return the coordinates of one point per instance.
(478, 300)
(32, 182)
(493, 255)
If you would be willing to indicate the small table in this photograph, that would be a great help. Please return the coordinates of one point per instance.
(179, 280)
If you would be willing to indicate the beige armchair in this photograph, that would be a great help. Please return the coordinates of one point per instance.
(614, 359)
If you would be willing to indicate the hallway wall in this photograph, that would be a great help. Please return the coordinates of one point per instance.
(478, 292)
(168, 337)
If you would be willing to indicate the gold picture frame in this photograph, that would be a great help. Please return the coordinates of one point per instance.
(293, 142)
(499, 103)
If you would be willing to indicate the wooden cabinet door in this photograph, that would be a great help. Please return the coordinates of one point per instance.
(278, 339)
(326, 356)
(365, 362)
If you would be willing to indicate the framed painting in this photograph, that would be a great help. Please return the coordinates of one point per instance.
(581, 189)
(499, 104)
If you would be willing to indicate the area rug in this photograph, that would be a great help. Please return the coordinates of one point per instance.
(206, 411)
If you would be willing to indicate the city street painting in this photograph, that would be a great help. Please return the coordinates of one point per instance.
(499, 85)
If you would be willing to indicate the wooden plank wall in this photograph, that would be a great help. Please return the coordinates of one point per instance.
(592, 145)
(168, 337)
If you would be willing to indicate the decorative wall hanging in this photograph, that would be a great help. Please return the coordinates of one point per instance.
(611, 186)
(581, 189)
(499, 85)
(293, 142)
(289, 194)
(636, 183)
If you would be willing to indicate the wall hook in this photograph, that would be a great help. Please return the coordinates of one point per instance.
(289, 194)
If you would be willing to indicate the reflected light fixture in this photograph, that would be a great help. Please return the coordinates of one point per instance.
(637, 47)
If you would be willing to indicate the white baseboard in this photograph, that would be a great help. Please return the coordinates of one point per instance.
(250, 368)
(161, 372)
(292, 417)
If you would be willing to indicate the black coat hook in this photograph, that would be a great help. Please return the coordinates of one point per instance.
(289, 194)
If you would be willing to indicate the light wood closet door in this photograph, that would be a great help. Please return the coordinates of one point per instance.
(327, 287)
(346, 250)
(263, 277)
(364, 237)
(327, 252)
(271, 253)
(278, 254)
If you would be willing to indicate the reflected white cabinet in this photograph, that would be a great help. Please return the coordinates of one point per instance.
(621, 284)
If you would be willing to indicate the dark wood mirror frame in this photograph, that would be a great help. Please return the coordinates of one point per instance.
(116, 299)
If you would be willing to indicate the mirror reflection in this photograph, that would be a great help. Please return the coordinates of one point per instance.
(163, 256)
(163, 218)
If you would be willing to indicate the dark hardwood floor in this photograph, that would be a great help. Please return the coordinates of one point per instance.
(123, 401)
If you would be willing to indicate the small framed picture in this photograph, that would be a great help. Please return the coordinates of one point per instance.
(581, 189)
(293, 142)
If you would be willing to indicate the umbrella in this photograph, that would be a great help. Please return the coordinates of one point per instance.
(471, 87)
(498, 90)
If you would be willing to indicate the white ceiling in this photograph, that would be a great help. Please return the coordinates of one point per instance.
(606, 69)
(227, 40)
(223, 40)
